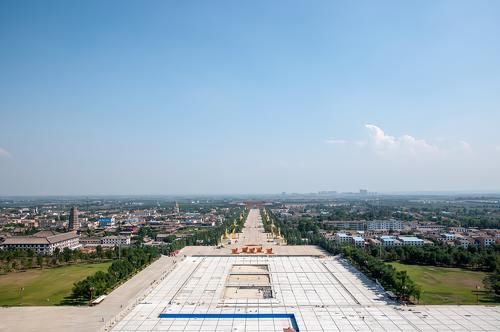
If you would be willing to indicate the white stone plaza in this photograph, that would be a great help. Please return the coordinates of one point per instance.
(213, 290)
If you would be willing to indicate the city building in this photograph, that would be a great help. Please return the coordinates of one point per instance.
(463, 241)
(385, 225)
(342, 238)
(355, 225)
(485, 241)
(411, 241)
(111, 241)
(90, 241)
(371, 225)
(106, 222)
(44, 242)
(389, 241)
(448, 236)
(358, 241)
(107, 241)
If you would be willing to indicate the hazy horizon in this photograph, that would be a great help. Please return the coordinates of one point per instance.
(235, 98)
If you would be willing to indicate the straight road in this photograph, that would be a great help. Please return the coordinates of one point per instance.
(253, 230)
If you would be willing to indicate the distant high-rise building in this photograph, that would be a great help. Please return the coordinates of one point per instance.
(363, 191)
(74, 223)
(177, 209)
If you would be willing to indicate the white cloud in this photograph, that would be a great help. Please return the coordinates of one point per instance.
(335, 141)
(4, 153)
(382, 143)
(379, 138)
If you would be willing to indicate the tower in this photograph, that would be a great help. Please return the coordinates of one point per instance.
(74, 223)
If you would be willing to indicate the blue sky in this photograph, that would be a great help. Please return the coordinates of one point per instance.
(200, 97)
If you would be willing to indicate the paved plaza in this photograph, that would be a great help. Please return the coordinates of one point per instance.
(300, 288)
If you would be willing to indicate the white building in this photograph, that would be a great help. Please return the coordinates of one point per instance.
(44, 242)
(389, 241)
(358, 241)
(111, 241)
(385, 225)
(410, 241)
(342, 238)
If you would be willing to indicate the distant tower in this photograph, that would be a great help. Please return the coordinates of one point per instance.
(177, 210)
(74, 223)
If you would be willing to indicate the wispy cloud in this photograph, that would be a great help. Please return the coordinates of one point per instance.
(4, 153)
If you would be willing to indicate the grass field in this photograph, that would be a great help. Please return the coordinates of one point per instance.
(441, 285)
(43, 287)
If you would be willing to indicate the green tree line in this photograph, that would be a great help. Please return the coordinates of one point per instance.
(133, 259)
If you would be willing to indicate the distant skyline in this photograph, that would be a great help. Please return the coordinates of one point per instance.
(259, 97)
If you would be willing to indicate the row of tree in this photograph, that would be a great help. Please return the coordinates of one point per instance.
(208, 236)
(475, 258)
(133, 259)
(399, 282)
(492, 282)
(19, 260)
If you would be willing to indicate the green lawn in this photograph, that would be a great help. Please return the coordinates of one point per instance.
(441, 285)
(43, 287)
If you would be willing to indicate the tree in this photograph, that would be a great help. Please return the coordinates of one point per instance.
(67, 254)
(492, 282)
(39, 260)
(98, 251)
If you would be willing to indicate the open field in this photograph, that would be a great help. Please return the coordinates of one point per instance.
(43, 287)
(442, 285)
